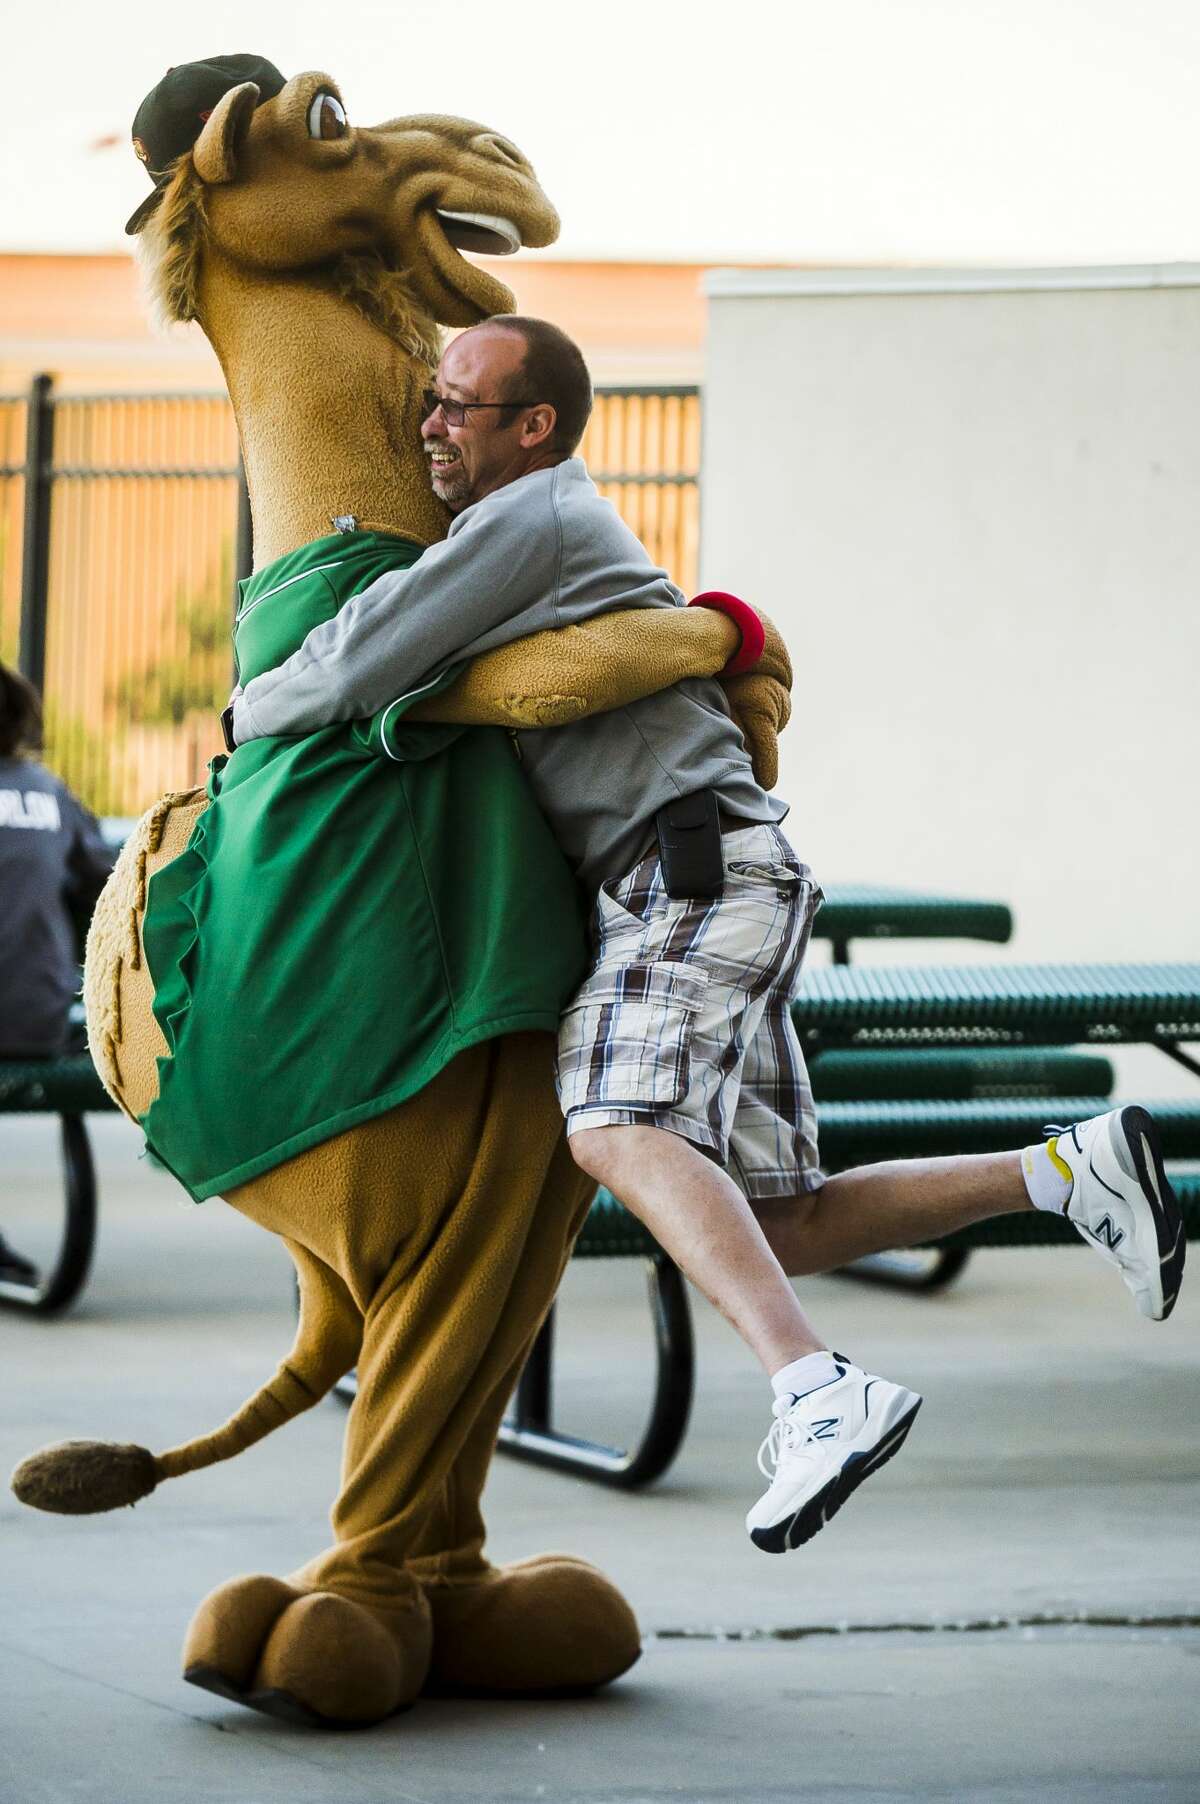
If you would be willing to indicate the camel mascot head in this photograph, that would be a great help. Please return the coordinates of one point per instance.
(322, 260)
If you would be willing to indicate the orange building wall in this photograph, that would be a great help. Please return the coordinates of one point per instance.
(82, 319)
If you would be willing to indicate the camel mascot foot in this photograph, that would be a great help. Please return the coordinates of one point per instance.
(543, 1626)
(308, 1656)
(547, 1626)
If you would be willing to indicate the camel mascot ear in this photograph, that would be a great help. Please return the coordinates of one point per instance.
(215, 152)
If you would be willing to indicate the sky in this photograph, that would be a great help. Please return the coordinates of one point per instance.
(942, 132)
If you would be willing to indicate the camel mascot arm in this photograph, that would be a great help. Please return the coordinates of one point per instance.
(553, 678)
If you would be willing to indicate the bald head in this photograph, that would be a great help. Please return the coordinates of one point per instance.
(515, 397)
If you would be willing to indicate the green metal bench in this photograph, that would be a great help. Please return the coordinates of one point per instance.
(983, 1013)
(960, 1074)
(70, 1089)
(1000, 1005)
(864, 1133)
(884, 911)
(877, 911)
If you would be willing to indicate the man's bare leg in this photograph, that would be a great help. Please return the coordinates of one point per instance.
(699, 1216)
(898, 1204)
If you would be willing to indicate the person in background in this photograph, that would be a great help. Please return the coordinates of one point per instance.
(53, 865)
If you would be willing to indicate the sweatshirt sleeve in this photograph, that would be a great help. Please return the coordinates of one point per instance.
(494, 579)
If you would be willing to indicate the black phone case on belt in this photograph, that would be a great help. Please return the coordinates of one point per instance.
(689, 846)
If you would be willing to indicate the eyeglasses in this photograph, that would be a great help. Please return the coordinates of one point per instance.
(455, 412)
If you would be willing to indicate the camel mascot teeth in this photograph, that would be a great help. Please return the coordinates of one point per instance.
(326, 984)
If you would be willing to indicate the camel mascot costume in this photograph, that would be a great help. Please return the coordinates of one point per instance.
(326, 984)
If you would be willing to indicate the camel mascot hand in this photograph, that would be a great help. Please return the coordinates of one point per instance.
(382, 1100)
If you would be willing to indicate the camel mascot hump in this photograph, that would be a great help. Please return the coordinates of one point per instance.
(326, 984)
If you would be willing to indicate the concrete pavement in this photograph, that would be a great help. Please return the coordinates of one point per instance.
(1010, 1611)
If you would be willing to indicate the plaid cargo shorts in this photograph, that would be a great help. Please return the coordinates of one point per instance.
(685, 1023)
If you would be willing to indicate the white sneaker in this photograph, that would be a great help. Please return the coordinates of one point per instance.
(1123, 1205)
(821, 1447)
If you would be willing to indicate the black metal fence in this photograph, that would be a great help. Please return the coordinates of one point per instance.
(124, 527)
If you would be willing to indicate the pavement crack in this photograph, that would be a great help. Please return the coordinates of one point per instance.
(973, 1625)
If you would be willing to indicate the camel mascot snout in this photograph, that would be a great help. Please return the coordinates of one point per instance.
(286, 982)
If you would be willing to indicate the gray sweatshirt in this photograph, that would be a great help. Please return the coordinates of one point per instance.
(545, 551)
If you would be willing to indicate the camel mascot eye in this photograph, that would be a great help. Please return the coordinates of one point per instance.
(327, 117)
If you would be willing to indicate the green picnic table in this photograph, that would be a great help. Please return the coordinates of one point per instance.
(1001, 1005)
(876, 911)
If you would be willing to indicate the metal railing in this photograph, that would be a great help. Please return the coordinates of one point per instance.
(13, 412)
(124, 527)
(643, 449)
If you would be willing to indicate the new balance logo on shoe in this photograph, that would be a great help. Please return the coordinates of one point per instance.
(1107, 1230)
(826, 1429)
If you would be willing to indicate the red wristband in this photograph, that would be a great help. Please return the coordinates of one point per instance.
(747, 623)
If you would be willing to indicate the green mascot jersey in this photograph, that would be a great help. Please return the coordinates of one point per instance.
(354, 908)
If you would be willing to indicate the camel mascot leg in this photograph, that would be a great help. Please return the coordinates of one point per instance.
(436, 1364)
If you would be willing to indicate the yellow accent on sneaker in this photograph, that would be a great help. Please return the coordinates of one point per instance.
(1059, 1163)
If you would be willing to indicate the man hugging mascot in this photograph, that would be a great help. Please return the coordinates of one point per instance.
(327, 983)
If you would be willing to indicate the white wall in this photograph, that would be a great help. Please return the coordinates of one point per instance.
(974, 511)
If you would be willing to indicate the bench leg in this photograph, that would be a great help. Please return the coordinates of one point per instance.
(63, 1282)
(531, 1399)
(1181, 1057)
(528, 1432)
(915, 1268)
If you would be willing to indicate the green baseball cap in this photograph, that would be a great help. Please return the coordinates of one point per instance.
(171, 117)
